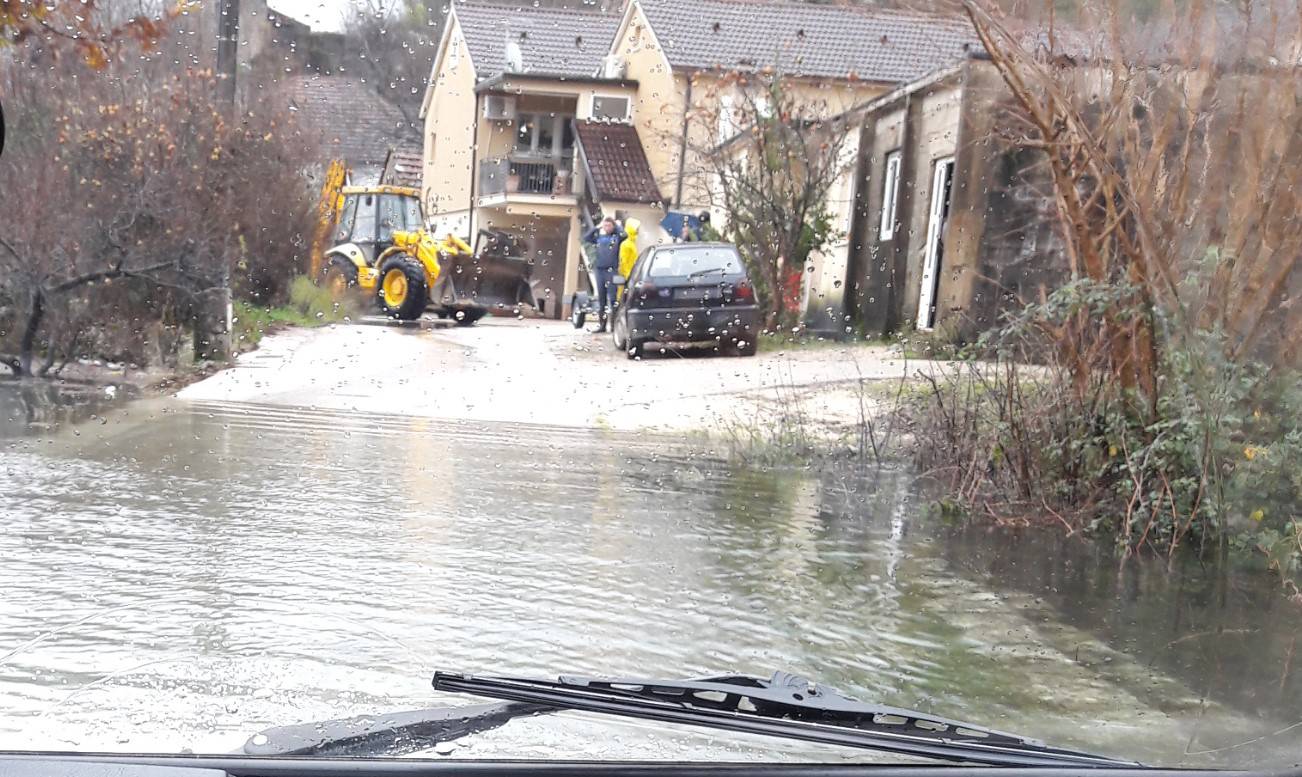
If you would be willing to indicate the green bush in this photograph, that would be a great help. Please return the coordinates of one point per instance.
(1211, 461)
(309, 305)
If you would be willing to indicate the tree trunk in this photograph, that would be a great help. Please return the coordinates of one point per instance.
(212, 331)
(28, 344)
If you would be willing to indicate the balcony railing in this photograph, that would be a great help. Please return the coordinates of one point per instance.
(526, 176)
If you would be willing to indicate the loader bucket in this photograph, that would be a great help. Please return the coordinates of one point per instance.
(495, 276)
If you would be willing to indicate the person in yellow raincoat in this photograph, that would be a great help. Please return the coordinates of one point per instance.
(628, 252)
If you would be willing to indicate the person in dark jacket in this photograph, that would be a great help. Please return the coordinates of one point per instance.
(606, 237)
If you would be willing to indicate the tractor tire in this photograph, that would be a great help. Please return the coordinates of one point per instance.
(339, 276)
(400, 290)
(465, 317)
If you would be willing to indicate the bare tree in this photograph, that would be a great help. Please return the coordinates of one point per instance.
(396, 41)
(769, 170)
(1164, 158)
(1171, 354)
(130, 193)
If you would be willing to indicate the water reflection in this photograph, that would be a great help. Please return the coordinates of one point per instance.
(182, 575)
(39, 406)
(1223, 628)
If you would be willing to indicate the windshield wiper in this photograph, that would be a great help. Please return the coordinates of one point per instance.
(391, 733)
(786, 706)
(706, 271)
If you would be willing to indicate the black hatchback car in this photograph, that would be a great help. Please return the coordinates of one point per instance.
(688, 293)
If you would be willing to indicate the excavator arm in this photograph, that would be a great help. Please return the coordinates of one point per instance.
(328, 207)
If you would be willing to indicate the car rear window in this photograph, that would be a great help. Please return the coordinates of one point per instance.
(695, 260)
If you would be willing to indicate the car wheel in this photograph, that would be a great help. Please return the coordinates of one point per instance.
(577, 315)
(619, 332)
(746, 345)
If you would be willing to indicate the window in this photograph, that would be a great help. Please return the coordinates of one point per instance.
(890, 195)
(525, 131)
(412, 207)
(392, 216)
(671, 262)
(346, 219)
(610, 108)
(364, 228)
(544, 134)
(727, 121)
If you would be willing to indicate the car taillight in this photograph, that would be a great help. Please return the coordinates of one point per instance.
(646, 291)
(743, 291)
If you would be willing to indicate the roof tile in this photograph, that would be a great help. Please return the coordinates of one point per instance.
(808, 40)
(617, 165)
(550, 40)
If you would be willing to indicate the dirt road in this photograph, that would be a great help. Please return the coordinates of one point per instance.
(541, 372)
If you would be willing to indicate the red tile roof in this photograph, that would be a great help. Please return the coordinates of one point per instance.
(617, 165)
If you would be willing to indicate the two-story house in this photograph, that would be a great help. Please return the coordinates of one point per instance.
(524, 133)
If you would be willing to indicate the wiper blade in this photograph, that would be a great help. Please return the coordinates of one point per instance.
(706, 271)
(785, 706)
(395, 733)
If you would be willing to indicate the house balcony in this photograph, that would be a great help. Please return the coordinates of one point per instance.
(527, 180)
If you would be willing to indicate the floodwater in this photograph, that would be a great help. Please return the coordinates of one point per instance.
(179, 575)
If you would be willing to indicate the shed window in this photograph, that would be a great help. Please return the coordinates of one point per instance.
(890, 195)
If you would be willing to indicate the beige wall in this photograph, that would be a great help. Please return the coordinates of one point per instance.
(449, 132)
(823, 291)
(660, 103)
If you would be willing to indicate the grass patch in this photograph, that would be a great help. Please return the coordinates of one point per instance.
(309, 305)
(804, 340)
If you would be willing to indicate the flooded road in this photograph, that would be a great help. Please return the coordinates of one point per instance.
(178, 575)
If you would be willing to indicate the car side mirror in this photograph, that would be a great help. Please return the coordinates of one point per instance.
(619, 280)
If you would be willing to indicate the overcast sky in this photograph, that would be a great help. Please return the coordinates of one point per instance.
(320, 15)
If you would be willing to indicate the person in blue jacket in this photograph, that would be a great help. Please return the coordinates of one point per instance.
(606, 236)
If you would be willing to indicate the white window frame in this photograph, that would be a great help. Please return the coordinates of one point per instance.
(535, 150)
(727, 119)
(942, 180)
(890, 194)
(628, 108)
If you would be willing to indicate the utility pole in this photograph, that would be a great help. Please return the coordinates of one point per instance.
(228, 51)
(212, 314)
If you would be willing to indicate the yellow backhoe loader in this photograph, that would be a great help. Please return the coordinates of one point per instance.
(380, 249)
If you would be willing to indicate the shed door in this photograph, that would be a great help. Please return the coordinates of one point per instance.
(941, 182)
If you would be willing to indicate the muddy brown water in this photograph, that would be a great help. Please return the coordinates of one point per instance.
(176, 576)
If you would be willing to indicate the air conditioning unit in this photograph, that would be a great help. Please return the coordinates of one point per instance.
(498, 107)
(613, 66)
